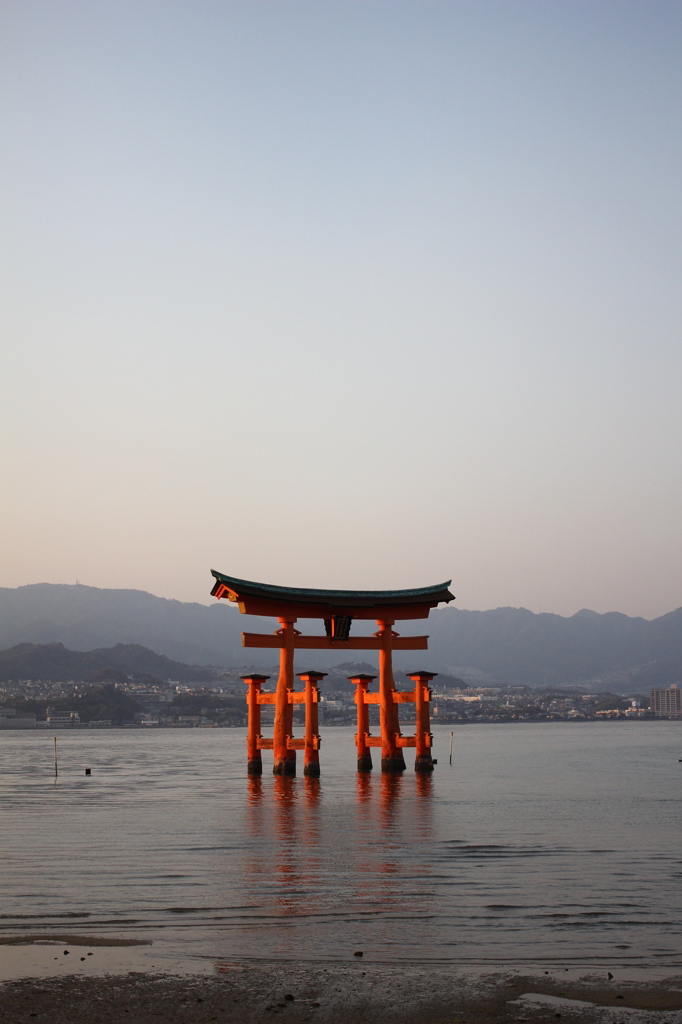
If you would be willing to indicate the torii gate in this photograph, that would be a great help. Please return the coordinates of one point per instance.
(338, 608)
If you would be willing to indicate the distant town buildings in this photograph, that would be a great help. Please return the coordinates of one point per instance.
(666, 703)
(9, 719)
(62, 719)
(149, 703)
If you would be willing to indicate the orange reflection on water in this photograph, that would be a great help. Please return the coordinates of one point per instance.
(423, 807)
(254, 791)
(393, 811)
(286, 840)
(312, 790)
(285, 858)
(364, 787)
(424, 782)
(297, 869)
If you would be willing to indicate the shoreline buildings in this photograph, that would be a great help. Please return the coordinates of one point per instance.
(666, 703)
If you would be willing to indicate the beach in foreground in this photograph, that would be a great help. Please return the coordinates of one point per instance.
(344, 994)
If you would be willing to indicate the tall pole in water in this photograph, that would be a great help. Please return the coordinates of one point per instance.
(56, 773)
(451, 735)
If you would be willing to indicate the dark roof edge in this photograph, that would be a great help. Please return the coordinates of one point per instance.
(439, 592)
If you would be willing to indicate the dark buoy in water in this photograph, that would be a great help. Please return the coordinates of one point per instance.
(88, 771)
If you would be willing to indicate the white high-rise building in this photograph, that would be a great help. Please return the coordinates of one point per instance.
(667, 703)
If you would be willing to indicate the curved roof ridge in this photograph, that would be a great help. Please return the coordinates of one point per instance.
(438, 592)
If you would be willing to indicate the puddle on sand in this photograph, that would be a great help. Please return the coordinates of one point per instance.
(54, 959)
(593, 1013)
(539, 998)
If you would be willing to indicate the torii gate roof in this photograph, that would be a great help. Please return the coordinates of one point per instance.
(266, 599)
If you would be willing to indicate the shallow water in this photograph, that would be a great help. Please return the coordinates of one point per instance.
(553, 843)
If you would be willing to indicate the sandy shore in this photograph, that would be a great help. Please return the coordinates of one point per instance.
(344, 994)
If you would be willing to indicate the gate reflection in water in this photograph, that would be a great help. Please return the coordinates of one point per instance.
(355, 873)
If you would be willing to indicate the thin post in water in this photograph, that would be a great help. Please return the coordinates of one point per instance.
(56, 772)
(451, 735)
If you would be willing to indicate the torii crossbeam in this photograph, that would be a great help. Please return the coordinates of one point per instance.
(338, 609)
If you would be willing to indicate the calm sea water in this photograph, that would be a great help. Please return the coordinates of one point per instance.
(556, 843)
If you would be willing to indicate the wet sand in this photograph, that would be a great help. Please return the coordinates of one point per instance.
(356, 993)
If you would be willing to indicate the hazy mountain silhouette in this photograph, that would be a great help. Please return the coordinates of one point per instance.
(505, 645)
(54, 661)
(513, 644)
(83, 618)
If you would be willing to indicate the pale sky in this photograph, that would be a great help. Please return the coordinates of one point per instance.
(344, 294)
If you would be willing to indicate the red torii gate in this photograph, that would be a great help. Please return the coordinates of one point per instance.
(338, 609)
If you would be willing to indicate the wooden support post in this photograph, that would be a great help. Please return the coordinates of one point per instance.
(361, 683)
(254, 761)
(284, 758)
(392, 759)
(311, 755)
(423, 761)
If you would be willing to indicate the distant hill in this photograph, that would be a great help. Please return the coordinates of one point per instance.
(515, 645)
(505, 645)
(83, 618)
(53, 661)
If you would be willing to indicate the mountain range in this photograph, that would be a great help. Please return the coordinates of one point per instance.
(105, 664)
(504, 645)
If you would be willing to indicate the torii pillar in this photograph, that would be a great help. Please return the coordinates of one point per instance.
(423, 761)
(254, 760)
(392, 759)
(311, 748)
(284, 756)
(362, 684)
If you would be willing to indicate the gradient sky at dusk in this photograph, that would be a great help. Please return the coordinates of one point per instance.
(355, 294)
